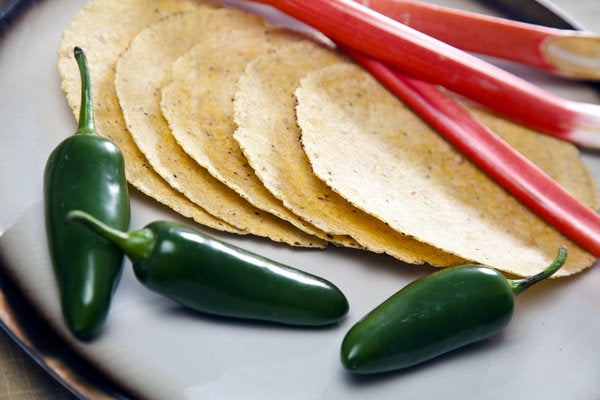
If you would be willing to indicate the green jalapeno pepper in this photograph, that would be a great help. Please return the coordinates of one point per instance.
(214, 277)
(85, 171)
(433, 315)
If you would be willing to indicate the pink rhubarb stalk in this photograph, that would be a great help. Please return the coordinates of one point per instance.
(414, 53)
(533, 187)
(565, 52)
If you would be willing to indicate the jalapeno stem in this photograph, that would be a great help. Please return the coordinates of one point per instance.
(520, 285)
(87, 125)
(138, 244)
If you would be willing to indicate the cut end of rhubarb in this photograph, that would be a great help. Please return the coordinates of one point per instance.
(584, 129)
(576, 56)
(586, 138)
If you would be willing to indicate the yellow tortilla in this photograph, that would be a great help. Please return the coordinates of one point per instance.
(141, 72)
(270, 139)
(365, 144)
(198, 105)
(104, 28)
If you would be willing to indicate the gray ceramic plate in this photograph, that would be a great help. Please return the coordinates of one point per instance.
(153, 349)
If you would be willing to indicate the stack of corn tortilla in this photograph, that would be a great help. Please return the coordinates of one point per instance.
(250, 128)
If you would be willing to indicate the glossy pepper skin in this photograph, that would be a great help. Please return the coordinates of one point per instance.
(433, 315)
(214, 277)
(85, 172)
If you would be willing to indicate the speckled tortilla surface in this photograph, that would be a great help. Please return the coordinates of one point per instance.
(373, 151)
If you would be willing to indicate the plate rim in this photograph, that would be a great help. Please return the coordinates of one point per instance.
(71, 369)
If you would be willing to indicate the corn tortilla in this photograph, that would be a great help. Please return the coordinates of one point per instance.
(198, 105)
(104, 28)
(264, 111)
(365, 144)
(141, 72)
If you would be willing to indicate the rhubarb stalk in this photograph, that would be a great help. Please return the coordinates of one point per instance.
(523, 179)
(565, 52)
(414, 53)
